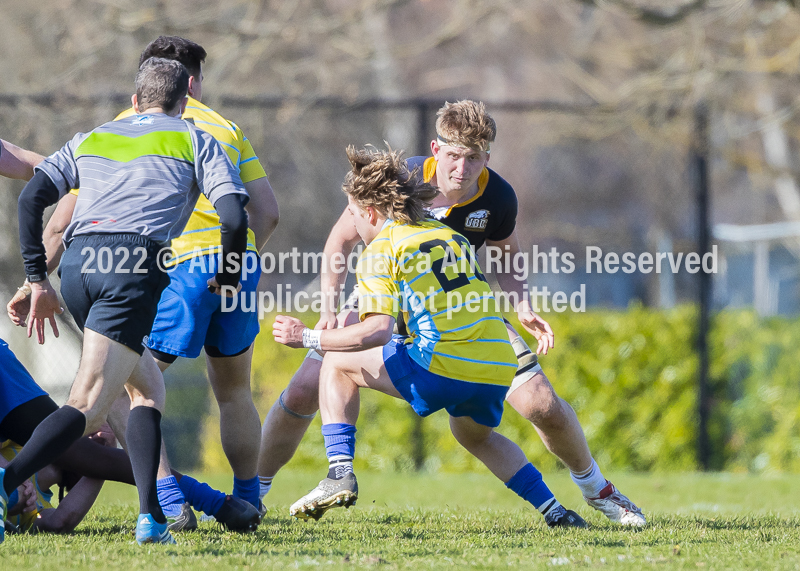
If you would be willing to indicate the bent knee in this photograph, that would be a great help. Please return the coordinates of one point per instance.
(537, 401)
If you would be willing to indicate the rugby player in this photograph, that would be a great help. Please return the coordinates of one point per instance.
(140, 179)
(71, 510)
(476, 202)
(190, 318)
(456, 359)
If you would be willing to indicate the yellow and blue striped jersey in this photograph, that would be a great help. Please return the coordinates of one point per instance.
(202, 230)
(427, 271)
(25, 521)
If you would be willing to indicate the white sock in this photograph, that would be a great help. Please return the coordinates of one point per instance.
(549, 506)
(264, 486)
(591, 481)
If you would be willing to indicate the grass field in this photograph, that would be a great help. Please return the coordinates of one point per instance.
(455, 521)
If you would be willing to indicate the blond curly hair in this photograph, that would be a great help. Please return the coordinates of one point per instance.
(466, 123)
(381, 179)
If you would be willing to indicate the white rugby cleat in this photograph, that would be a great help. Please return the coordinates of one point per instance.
(617, 507)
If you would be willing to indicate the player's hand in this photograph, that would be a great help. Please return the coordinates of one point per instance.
(288, 331)
(104, 436)
(540, 329)
(44, 307)
(214, 287)
(27, 499)
(18, 309)
(327, 320)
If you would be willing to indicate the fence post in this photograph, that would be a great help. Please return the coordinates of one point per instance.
(423, 138)
(701, 152)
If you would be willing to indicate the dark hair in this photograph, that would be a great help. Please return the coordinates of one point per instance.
(190, 54)
(161, 83)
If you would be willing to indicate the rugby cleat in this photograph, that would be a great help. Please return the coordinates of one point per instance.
(148, 531)
(3, 506)
(262, 510)
(184, 521)
(236, 515)
(328, 494)
(617, 507)
(562, 517)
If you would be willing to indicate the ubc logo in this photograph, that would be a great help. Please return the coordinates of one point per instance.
(143, 120)
(477, 220)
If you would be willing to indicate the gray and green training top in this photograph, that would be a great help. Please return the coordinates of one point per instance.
(141, 175)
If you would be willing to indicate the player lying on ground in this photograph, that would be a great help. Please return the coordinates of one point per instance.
(122, 211)
(455, 359)
(189, 317)
(71, 509)
(24, 405)
(476, 202)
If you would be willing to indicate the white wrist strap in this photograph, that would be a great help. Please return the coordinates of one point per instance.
(312, 338)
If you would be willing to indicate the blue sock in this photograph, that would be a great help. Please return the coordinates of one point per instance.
(528, 484)
(201, 496)
(340, 439)
(170, 497)
(247, 490)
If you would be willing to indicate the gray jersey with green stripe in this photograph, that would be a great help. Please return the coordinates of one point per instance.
(141, 175)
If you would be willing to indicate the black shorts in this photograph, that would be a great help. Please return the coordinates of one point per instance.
(111, 284)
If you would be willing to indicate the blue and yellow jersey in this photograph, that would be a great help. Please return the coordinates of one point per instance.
(25, 521)
(427, 271)
(202, 230)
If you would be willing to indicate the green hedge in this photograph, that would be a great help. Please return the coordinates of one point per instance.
(631, 377)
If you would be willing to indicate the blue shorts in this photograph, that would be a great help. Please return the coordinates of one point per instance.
(428, 392)
(16, 384)
(190, 317)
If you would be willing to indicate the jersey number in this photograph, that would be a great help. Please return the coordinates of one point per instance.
(450, 284)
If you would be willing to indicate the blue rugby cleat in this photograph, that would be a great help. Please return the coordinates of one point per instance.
(148, 531)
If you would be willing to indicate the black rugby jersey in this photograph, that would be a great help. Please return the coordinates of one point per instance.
(489, 215)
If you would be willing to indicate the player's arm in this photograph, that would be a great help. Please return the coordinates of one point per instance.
(341, 241)
(262, 210)
(38, 194)
(54, 231)
(72, 509)
(233, 231)
(374, 331)
(20, 305)
(510, 284)
(16, 162)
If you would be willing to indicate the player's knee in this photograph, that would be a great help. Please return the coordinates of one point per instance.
(537, 401)
(300, 399)
(470, 437)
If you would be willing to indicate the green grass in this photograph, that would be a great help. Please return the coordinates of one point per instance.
(437, 521)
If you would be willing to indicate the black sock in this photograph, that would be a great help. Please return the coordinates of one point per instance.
(50, 439)
(144, 448)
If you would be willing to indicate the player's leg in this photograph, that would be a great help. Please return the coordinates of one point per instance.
(227, 336)
(240, 425)
(292, 413)
(532, 395)
(288, 420)
(507, 461)
(341, 377)
(105, 367)
(179, 327)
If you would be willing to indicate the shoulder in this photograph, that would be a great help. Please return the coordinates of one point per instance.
(415, 162)
(206, 118)
(498, 185)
